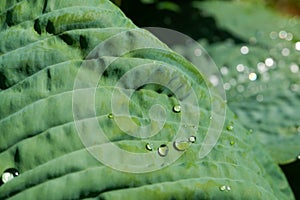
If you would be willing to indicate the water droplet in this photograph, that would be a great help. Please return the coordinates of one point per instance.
(227, 86)
(252, 76)
(273, 35)
(294, 68)
(285, 52)
(228, 188)
(299, 157)
(297, 46)
(224, 70)
(269, 62)
(244, 50)
(240, 88)
(282, 34)
(262, 67)
(9, 174)
(289, 37)
(110, 116)
(214, 80)
(240, 67)
(177, 108)
(229, 127)
(259, 98)
(163, 150)
(198, 52)
(232, 142)
(149, 146)
(210, 117)
(181, 144)
(192, 139)
(222, 188)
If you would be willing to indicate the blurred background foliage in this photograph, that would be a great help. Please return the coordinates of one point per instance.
(258, 37)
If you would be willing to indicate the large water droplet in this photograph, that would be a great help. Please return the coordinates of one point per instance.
(163, 150)
(177, 108)
(9, 174)
(181, 144)
(149, 146)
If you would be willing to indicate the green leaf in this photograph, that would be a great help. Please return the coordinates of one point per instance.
(55, 48)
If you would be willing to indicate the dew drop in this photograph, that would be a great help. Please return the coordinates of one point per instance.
(9, 174)
(110, 116)
(177, 108)
(149, 146)
(252, 76)
(198, 52)
(289, 37)
(285, 52)
(240, 67)
(163, 150)
(228, 188)
(224, 70)
(244, 50)
(282, 34)
(294, 68)
(181, 144)
(299, 157)
(297, 46)
(227, 86)
(214, 80)
(192, 139)
(229, 127)
(273, 35)
(259, 98)
(232, 142)
(222, 188)
(269, 62)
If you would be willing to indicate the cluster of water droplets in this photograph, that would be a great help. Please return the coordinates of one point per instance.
(248, 78)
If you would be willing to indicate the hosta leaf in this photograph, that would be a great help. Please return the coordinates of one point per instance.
(270, 104)
(41, 115)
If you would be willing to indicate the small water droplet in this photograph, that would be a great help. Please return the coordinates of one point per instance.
(222, 188)
(240, 67)
(244, 50)
(177, 108)
(285, 52)
(110, 116)
(228, 188)
(252, 76)
(149, 146)
(289, 37)
(198, 52)
(163, 150)
(227, 86)
(259, 98)
(273, 35)
(232, 142)
(294, 68)
(192, 139)
(299, 157)
(9, 174)
(181, 144)
(282, 34)
(224, 70)
(229, 127)
(214, 80)
(269, 62)
(210, 117)
(297, 46)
